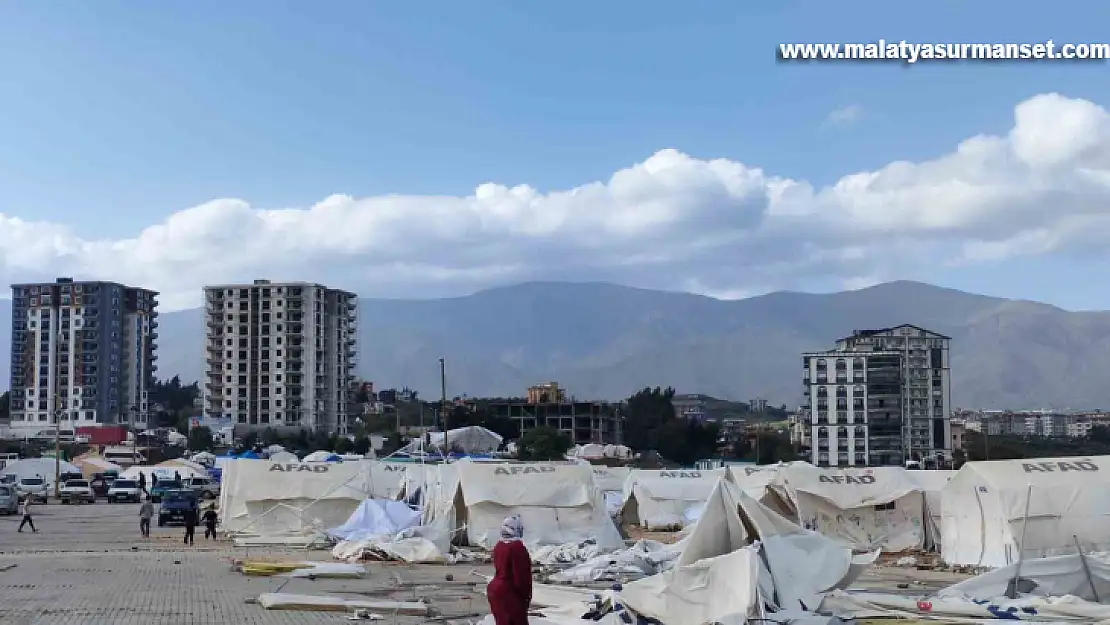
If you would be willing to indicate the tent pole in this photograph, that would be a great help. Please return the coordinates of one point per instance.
(1086, 568)
(1011, 591)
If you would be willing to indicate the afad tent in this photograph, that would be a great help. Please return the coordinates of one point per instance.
(90, 465)
(985, 505)
(466, 440)
(932, 484)
(757, 480)
(866, 508)
(558, 504)
(276, 502)
(666, 499)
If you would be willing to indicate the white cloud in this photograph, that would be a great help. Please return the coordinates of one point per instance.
(670, 222)
(844, 116)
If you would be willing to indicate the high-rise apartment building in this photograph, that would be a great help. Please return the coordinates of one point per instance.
(881, 397)
(83, 353)
(280, 355)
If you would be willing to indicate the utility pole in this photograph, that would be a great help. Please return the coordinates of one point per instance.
(135, 441)
(443, 397)
(57, 446)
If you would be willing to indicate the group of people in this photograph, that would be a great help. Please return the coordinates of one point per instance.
(192, 517)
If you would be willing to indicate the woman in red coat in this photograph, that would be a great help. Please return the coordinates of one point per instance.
(510, 590)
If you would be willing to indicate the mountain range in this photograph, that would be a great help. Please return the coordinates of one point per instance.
(605, 341)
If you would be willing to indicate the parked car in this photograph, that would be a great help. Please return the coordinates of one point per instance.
(33, 487)
(9, 500)
(204, 487)
(8, 479)
(163, 486)
(175, 503)
(124, 490)
(66, 476)
(100, 486)
(77, 491)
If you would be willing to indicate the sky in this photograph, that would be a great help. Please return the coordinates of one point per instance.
(435, 149)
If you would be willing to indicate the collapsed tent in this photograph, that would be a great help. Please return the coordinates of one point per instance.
(722, 576)
(38, 467)
(558, 504)
(932, 484)
(376, 517)
(986, 504)
(666, 499)
(867, 508)
(296, 499)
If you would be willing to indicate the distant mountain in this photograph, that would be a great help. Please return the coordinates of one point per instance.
(606, 341)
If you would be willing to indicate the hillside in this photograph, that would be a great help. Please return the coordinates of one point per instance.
(605, 341)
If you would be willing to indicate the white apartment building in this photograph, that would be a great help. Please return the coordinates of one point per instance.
(83, 354)
(280, 355)
(881, 397)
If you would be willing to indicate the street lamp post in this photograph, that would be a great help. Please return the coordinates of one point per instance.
(443, 397)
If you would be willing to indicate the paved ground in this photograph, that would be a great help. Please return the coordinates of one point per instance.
(87, 564)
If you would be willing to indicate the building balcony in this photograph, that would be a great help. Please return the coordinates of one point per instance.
(214, 322)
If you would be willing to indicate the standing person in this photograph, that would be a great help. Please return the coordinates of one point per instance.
(510, 590)
(25, 510)
(210, 523)
(146, 512)
(177, 476)
(142, 482)
(153, 480)
(190, 525)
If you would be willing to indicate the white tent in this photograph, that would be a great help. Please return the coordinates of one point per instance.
(320, 456)
(468, 440)
(984, 508)
(558, 504)
(283, 456)
(866, 508)
(38, 467)
(664, 499)
(610, 480)
(90, 465)
(376, 517)
(187, 468)
(275, 499)
(932, 485)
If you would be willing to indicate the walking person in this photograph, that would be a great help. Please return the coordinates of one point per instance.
(510, 590)
(146, 512)
(210, 519)
(190, 525)
(25, 510)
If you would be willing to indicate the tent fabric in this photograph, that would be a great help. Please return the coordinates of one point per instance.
(611, 482)
(163, 472)
(467, 440)
(983, 508)
(90, 465)
(180, 464)
(867, 508)
(932, 485)
(558, 504)
(321, 456)
(660, 499)
(284, 456)
(274, 499)
(376, 517)
(39, 467)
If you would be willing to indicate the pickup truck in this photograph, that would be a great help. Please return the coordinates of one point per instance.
(175, 503)
(77, 491)
(124, 490)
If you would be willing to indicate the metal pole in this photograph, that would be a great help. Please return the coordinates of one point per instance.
(1011, 591)
(57, 446)
(443, 395)
(1086, 568)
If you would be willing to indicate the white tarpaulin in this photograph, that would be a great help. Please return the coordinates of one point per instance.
(932, 485)
(376, 517)
(38, 467)
(558, 504)
(472, 439)
(984, 504)
(275, 499)
(91, 465)
(663, 499)
(868, 508)
(161, 472)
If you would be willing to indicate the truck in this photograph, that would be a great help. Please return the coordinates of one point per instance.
(102, 434)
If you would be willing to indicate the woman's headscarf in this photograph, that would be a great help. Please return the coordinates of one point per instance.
(512, 528)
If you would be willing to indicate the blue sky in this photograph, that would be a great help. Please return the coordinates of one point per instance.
(117, 113)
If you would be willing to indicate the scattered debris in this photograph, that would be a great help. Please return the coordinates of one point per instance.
(323, 603)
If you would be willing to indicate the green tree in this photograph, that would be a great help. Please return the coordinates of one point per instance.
(543, 443)
(645, 413)
(200, 439)
(343, 445)
(362, 444)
